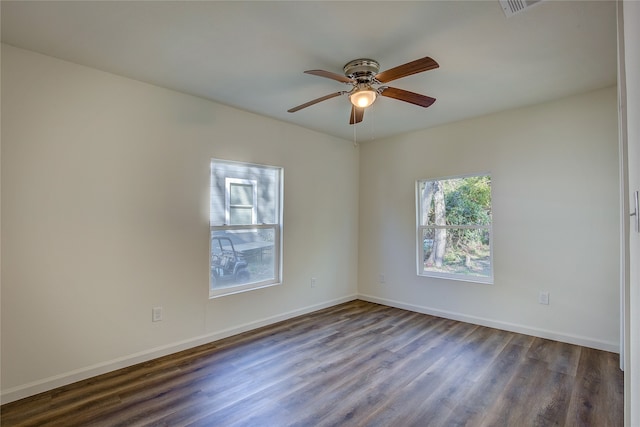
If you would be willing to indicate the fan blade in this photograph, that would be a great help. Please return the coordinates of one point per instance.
(406, 96)
(315, 101)
(413, 67)
(329, 75)
(357, 114)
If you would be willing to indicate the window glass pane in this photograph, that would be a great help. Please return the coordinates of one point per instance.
(464, 251)
(468, 200)
(241, 194)
(266, 181)
(268, 201)
(242, 257)
(428, 235)
(455, 201)
(240, 216)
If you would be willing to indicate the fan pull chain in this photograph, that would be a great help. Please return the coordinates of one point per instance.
(372, 122)
(355, 125)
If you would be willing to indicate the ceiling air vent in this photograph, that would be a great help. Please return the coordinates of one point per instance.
(511, 7)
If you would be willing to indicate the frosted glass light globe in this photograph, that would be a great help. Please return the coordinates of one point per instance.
(363, 98)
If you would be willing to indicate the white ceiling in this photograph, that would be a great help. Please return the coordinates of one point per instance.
(251, 55)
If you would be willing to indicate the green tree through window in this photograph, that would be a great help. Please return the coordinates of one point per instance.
(454, 228)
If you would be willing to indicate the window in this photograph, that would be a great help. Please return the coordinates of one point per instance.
(454, 228)
(245, 227)
(241, 198)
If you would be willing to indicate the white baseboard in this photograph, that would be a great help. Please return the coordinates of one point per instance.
(66, 378)
(506, 326)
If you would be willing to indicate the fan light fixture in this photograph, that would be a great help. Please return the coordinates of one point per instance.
(363, 98)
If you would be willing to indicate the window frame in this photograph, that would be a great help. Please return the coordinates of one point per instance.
(420, 229)
(255, 226)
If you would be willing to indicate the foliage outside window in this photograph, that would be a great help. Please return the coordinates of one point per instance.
(454, 228)
(245, 227)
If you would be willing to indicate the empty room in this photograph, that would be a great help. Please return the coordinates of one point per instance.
(331, 213)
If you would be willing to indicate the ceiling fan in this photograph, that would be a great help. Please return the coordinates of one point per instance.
(367, 84)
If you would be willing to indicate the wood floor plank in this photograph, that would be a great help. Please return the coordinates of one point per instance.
(480, 397)
(354, 364)
(464, 365)
(597, 382)
(560, 357)
(513, 405)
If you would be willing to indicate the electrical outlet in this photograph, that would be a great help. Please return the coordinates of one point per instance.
(543, 298)
(381, 279)
(314, 281)
(156, 314)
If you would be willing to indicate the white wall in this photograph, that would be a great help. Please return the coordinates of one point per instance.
(105, 215)
(554, 170)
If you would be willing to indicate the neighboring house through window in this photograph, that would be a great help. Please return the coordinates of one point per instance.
(245, 227)
(454, 238)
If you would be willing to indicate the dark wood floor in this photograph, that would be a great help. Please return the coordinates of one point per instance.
(356, 364)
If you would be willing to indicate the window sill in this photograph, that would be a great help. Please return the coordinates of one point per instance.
(459, 277)
(232, 290)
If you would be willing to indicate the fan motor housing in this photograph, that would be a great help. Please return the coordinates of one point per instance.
(362, 70)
